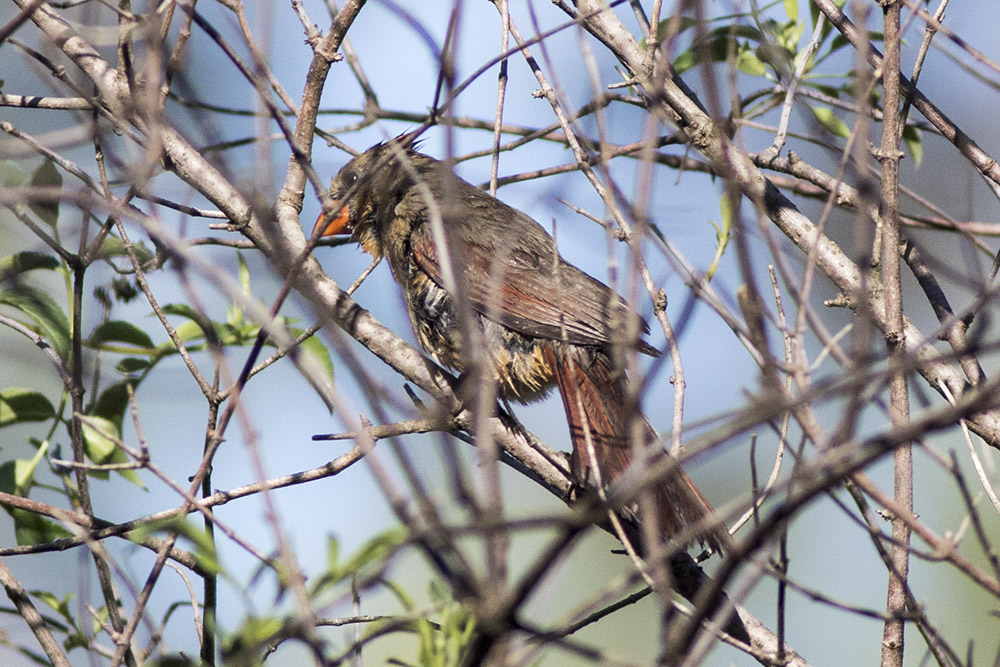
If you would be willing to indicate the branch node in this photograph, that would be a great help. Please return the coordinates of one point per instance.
(839, 301)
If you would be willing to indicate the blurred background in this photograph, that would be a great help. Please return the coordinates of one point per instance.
(399, 49)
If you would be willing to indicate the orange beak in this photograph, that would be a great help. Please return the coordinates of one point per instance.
(333, 226)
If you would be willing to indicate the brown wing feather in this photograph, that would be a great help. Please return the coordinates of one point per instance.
(509, 275)
(590, 390)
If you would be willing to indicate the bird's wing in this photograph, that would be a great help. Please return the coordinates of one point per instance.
(515, 280)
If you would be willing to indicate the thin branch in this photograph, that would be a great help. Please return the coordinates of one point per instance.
(27, 610)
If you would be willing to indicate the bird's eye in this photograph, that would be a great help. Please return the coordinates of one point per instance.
(349, 178)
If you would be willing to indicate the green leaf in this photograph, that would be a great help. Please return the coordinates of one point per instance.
(19, 405)
(46, 176)
(243, 271)
(829, 120)
(14, 265)
(723, 233)
(176, 660)
(728, 214)
(663, 29)
(728, 32)
(237, 335)
(112, 246)
(404, 598)
(825, 31)
(911, 139)
(204, 547)
(31, 528)
(832, 91)
(187, 331)
(260, 630)
(183, 310)
(331, 576)
(13, 177)
(439, 592)
(684, 61)
(50, 321)
(205, 325)
(24, 474)
(315, 347)
(17, 477)
(374, 553)
(839, 41)
(99, 438)
(792, 10)
(235, 313)
(789, 36)
(197, 327)
(61, 606)
(456, 626)
(132, 365)
(120, 331)
(368, 561)
(443, 642)
(748, 63)
(111, 404)
(714, 49)
(128, 474)
(715, 46)
(332, 553)
(100, 442)
(248, 644)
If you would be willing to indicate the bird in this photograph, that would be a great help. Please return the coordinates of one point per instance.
(540, 321)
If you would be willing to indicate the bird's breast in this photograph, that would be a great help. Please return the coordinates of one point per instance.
(518, 362)
(432, 314)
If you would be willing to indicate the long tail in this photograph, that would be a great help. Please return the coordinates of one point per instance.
(593, 393)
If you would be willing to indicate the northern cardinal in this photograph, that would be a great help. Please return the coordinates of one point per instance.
(543, 322)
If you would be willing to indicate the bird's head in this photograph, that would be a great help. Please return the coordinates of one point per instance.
(362, 190)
